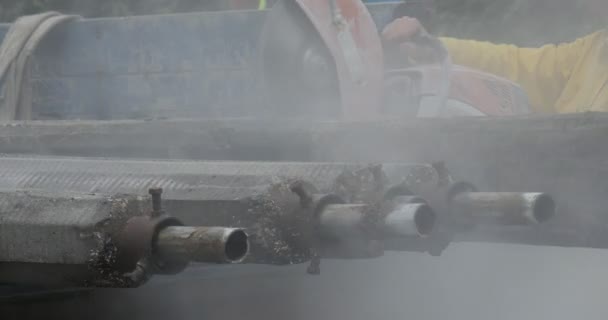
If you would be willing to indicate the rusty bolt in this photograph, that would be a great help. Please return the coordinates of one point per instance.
(156, 201)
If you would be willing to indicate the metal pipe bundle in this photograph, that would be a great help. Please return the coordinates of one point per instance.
(494, 160)
(341, 211)
(258, 196)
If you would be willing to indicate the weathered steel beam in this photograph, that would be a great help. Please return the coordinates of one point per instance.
(73, 239)
(194, 139)
(286, 140)
(180, 176)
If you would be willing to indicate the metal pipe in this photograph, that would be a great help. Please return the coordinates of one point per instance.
(409, 199)
(410, 219)
(343, 220)
(203, 244)
(354, 220)
(504, 207)
(71, 239)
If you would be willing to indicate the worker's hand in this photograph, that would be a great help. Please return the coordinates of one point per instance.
(402, 29)
(402, 41)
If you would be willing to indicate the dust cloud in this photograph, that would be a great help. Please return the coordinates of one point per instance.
(468, 282)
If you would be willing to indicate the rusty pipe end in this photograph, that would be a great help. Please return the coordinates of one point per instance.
(203, 244)
(411, 219)
(540, 207)
(237, 245)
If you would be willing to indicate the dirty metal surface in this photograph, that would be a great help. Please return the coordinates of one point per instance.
(258, 196)
(195, 64)
(192, 139)
(180, 179)
(554, 154)
(237, 194)
(59, 227)
(32, 226)
(68, 239)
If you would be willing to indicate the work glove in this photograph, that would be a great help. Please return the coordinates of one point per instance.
(404, 29)
(406, 42)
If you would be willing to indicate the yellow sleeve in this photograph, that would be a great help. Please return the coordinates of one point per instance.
(542, 72)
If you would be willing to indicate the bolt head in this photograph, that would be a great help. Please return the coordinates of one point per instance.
(155, 191)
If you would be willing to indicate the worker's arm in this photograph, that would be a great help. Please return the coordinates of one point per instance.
(542, 72)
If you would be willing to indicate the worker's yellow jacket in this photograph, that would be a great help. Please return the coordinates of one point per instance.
(565, 78)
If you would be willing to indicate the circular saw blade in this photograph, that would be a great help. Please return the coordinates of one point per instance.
(298, 71)
(313, 64)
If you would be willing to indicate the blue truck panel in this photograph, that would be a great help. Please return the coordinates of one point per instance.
(178, 65)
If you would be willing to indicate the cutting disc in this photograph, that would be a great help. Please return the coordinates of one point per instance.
(322, 58)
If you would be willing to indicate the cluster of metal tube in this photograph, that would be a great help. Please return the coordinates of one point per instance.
(409, 223)
(347, 211)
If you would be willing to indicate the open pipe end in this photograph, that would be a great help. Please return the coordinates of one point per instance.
(203, 244)
(424, 218)
(542, 207)
(237, 245)
(413, 219)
